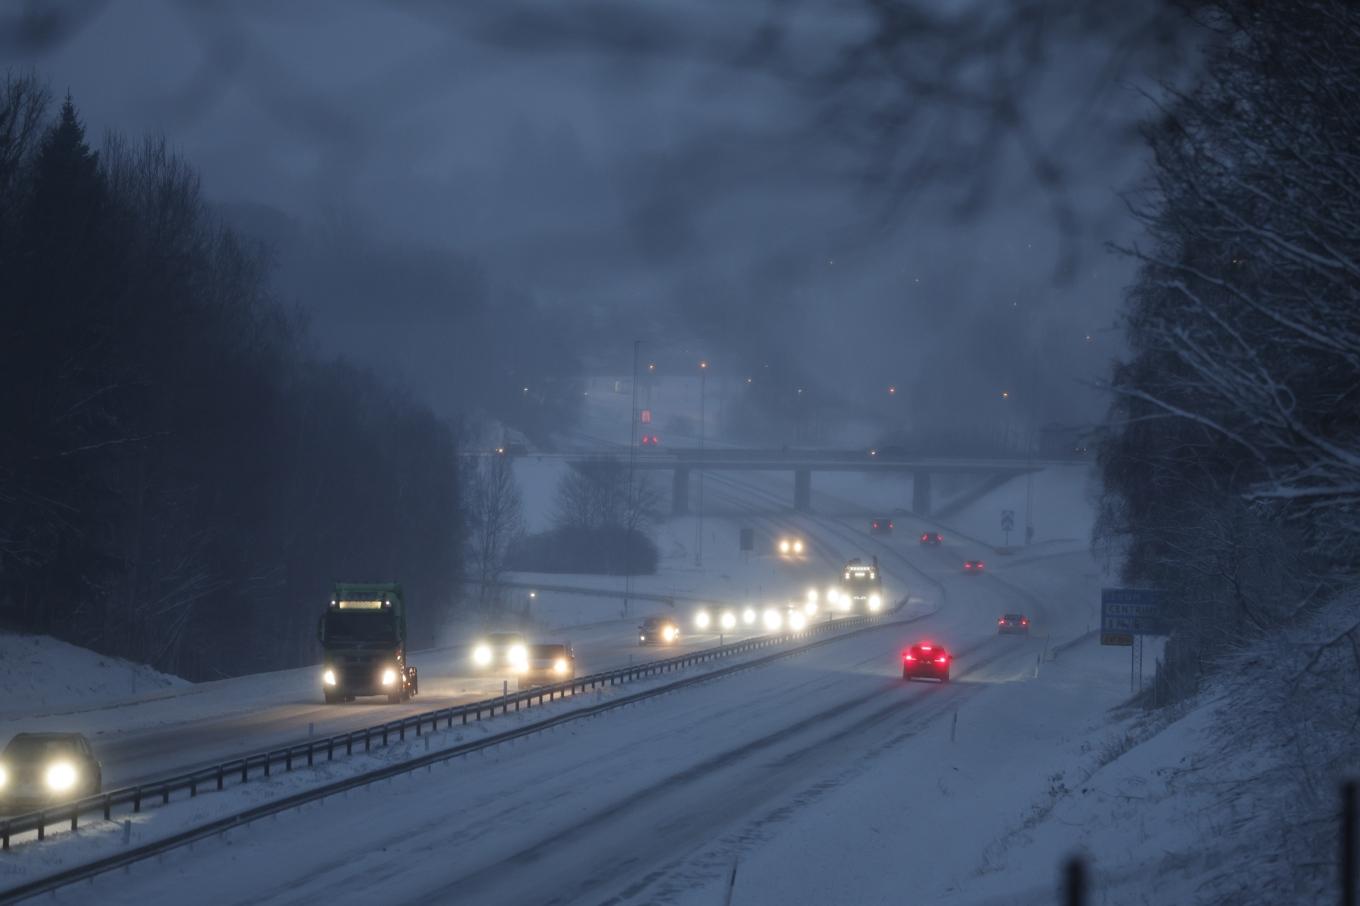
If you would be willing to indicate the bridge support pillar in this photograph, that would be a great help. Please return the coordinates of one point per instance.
(680, 491)
(920, 493)
(802, 490)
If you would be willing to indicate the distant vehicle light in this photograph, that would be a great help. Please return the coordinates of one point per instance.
(773, 619)
(797, 621)
(798, 547)
(668, 633)
(518, 656)
(875, 601)
(728, 620)
(703, 619)
(4, 777)
(748, 616)
(812, 596)
(810, 608)
(328, 677)
(389, 677)
(560, 665)
(785, 546)
(481, 655)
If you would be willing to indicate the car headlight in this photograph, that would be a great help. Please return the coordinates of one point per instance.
(61, 776)
(797, 547)
(784, 546)
(389, 677)
(810, 608)
(481, 655)
(702, 619)
(4, 776)
(642, 638)
(875, 601)
(748, 616)
(728, 620)
(668, 633)
(518, 656)
(813, 596)
(797, 622)
(773, 619)
(328, 676)
(560, 665)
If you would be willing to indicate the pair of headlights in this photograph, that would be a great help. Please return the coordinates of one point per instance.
(389, 677)
(517, 656)
(60, 777)
(727, 620)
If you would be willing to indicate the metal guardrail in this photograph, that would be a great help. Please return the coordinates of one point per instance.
(263, 764)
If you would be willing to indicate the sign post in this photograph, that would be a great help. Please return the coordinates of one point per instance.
(1007, 524)
(1126, 615)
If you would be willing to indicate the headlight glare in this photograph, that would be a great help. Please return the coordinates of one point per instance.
(748, 616)
(328, 676)
(729, 620)
(61, 776)
(481, 655)
(875, 601)
(4, 777)
(702, 619)
(389, 677)
(560, 665)
(517, 655)
(773, 619)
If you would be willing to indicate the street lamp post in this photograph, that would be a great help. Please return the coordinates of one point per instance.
(632, 483)
(699, 527)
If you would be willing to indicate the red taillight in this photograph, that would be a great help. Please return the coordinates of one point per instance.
(1001, 622)
(941, 659)
(1024, 622)
(908, 657)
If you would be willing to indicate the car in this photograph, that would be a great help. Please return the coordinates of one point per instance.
(973, 566)
(42, 769)
(548, 663)
(926, 660)
(791, 547)
(1012, 623)
(658, 631)
(931, 538)
(651, 440)
(881, 525)
(500, 652)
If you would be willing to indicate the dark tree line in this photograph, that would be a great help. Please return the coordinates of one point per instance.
(1232, 468)
(180, 479)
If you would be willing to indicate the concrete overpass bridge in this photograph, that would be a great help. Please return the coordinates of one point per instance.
(682, 463)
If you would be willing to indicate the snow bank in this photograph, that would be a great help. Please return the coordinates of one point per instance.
(40, 674)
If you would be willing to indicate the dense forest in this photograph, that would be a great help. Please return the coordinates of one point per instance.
(1232, 466)
(181, 476)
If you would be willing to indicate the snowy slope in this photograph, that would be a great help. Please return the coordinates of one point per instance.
(40, 674)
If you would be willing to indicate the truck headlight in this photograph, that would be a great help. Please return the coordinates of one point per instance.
(4, 776)
(560, 665)
(729, 620)
(773, 619)
(668, 633)
(481, 655)
(60, 776)
(702, 619)
(389, 677)
(875, 601)
(797, 622)
(748, 616)
(328, 676)
(518, 656)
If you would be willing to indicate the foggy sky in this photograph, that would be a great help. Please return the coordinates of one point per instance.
(655, 191)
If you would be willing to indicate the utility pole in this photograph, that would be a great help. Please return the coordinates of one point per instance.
(699, 530)
(632, 481)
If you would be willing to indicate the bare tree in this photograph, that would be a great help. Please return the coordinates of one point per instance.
(496, 519)
(596, 494)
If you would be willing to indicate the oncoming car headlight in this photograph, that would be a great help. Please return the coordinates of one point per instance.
(773, 619)
(728, 620)
(4, 776)
(875, 601)
(785, 546)
(481, 655)
(60, 776)
(810, 608)
(798, 547)
(748, 616)
(518, 656)
(389, 677)
(702, 619)
(328, 676)
(797, 622)
(560, 665)
(668, 633)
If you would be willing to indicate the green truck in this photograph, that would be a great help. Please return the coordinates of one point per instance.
(363, 635)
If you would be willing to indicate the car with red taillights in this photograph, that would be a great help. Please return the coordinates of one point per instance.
(1012, 624)
(881, 526)
(931, 538)
(973, 566)
(926, 660)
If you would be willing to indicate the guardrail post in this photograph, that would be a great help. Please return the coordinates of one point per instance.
(245, 769)
(268, 757)
(193, 787)
(349, 744)
(385, 734)
(464, 718)
(1074, 882)
(42, 825)
(219, 780)
(417, 724)
(309, 755)
(1350, 791)
(75, 813)
(136, 800)
(4, 837)
(368, 740)
(287, 759)
(401, 731)
(108, 807)
(330, 748)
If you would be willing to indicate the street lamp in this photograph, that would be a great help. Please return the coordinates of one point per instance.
(699, 525)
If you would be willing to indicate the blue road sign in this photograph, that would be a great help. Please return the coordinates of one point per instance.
(1132, 611)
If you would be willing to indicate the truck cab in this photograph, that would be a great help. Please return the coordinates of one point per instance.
(861, 588)
(363, 636)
